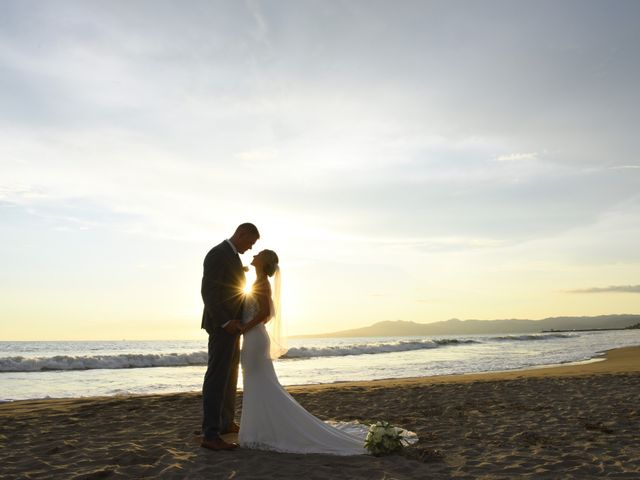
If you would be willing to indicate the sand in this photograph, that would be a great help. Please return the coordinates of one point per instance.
(579, 421)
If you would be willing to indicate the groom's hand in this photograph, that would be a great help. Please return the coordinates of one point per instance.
(232, 327)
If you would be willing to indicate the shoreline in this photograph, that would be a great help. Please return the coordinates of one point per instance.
(619, 360)
(575, 421)
(614, 360)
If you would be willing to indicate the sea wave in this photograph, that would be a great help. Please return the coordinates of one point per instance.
(372, 348)
(199, 358)
(120, 361)
(66, 362)
(530, 337)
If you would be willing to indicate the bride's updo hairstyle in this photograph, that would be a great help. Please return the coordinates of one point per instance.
(271, 262)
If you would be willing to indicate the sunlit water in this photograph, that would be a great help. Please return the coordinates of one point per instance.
(31, 370)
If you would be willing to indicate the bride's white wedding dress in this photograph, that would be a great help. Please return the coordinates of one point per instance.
(272, 419)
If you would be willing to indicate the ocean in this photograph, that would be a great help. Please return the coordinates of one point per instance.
(36, 370)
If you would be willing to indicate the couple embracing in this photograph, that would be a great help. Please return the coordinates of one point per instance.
(271, 418)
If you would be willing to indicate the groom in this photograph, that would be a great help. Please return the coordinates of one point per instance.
(223, 281)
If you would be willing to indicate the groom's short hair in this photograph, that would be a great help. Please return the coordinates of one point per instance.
(248, 228)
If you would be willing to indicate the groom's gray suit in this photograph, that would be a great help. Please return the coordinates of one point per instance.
(222, 283)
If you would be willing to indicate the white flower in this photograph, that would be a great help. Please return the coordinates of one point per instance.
(383, 438)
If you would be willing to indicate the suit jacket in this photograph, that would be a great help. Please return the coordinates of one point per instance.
(222, 287)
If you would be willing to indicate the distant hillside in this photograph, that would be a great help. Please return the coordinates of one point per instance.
(463, 327)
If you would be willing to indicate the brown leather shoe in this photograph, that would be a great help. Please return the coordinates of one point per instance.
(232, 428)
(217, 444)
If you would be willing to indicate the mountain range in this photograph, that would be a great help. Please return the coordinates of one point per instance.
(463, 327)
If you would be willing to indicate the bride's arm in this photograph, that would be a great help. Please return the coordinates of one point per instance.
(264, 312)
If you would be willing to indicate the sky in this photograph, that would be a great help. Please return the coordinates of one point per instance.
(414, 160)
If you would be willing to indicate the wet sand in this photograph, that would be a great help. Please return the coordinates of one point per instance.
(574, 421)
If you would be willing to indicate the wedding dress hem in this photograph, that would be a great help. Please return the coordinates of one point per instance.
(271, 418)
(271, 448)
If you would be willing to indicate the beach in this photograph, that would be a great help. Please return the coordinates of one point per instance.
(572, 421)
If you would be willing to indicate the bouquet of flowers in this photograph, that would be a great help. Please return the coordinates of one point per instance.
(383, 439)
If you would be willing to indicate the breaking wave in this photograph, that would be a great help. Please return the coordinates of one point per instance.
(65, 362)
(528, 337)
(372, 348)
(120, 361)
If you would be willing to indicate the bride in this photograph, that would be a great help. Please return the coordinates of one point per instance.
(271, 418)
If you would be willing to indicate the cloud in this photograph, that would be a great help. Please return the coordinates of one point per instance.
(326, 112)
(610, 289)
(517, 157)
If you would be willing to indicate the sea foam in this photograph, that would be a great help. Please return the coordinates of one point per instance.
(199, 358)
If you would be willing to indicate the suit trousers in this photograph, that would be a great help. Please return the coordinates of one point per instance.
(220, 383)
